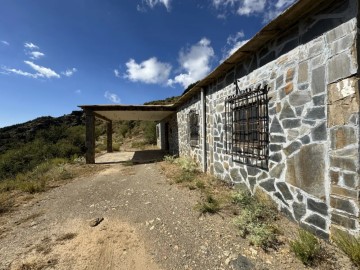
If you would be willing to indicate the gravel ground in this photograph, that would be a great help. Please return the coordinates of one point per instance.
(148, 224)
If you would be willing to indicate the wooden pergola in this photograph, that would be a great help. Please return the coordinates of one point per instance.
(110, 113)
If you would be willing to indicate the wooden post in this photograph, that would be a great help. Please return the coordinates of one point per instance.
(109, 136)
(90, 137)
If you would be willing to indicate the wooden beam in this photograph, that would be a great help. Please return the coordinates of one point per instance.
(102, 117)
(90, 137)
(109, 137)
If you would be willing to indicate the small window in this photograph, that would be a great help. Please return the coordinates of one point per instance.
(193, 128)
(247, 126)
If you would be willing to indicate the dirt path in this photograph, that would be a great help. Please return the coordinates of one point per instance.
(148, 224)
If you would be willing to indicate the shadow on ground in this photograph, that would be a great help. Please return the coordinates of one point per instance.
(134, 157)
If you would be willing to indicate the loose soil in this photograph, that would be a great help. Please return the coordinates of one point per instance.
(148, 224)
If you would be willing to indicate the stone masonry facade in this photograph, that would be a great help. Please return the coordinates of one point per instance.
(313, 110)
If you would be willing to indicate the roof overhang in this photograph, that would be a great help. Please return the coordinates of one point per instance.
(130, 112)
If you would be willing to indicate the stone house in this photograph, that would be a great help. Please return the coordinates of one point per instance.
(282, 115)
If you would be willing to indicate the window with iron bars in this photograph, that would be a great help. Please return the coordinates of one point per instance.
(247, 125)
(193, 128)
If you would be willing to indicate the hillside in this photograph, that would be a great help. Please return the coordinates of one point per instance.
(12, 137)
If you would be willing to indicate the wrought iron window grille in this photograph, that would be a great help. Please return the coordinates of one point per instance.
(193, 119)
(247, 126)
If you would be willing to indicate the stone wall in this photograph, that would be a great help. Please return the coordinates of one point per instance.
(313, 171)
(185, 149)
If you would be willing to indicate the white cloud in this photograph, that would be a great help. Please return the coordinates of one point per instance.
(69, 72)
(153, 3)
(42, 71)
(117, 73)
(5, 42)
(19, 72)
(248, 7)
(31, 46)
(233, 43)
(149, 71)
(112, 97)
(267, 9)
(195, 62)
(36, 55)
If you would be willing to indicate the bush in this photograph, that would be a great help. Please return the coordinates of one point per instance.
(255, 220)
(349, 244)
(306, 247)
(209, 205)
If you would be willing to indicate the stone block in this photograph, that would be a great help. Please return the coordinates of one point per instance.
(350, 179)
(318, 81)
(342, 44)
(343, 101)
(315, 113)
(235, 175)
(318, 207)
(303, 86)
(303, 72)
(275, 147)
(284, 189)
(268, 185)
(280, 197)
(319, 100)
(306, 169)
(299, 98)
(319, 132)
(292, 147)
(279, 81)
(344, 163)
(340, 31)
(218, 167)
(305, 139)
(342, 136)
(276, 171)
(343, 205)
(339, 67)
(291, 123)
(316, 49)
(275, 126)
(288, 88)
(344, 192)
(277, 139)
(299, 110)
(343, 220)
(299, 210)
(315, 230)
(290, 75)
(287, 111)
(287, 213)
(317, 221)
(277, 157)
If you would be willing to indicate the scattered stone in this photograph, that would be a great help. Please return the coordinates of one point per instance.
(96, 221)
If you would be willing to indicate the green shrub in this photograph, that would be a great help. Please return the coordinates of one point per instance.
(33, 186)
(209, 205)
(349, 244)
(243, 198)
(186, 164)
(170, 159)
(200, 184)
(185, 176)
(255, 220)
(306, 247)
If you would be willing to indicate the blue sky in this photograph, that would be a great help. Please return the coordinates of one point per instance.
(57, 54)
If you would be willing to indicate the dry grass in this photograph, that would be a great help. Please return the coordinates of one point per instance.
(349, 244)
